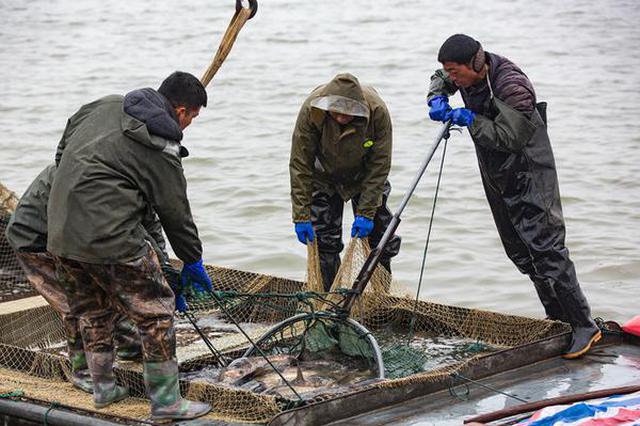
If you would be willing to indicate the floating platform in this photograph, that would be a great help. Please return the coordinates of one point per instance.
(527, 363)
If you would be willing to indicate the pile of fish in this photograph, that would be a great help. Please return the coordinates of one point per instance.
(309, 378)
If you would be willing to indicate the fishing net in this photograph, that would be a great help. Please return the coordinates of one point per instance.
(419, 342)
(13, 283)
(8, 200)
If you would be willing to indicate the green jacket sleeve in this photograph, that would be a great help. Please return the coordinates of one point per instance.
(63, 142)
(509, 131)
(301, 165)
(153, 228)
(441, 85)
(166, 188)
(377, 165)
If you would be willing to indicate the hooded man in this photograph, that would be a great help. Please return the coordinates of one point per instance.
(118, 158)
(341, 151)
(509, 130)
(26, 232)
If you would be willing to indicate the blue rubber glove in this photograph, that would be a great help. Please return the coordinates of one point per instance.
(439, 108)
(361, 227)
(194, 275)
(462, 117)
(181, 302)
(304, 231)
(172, 275)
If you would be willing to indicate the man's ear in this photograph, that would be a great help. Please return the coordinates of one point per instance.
(180, 110)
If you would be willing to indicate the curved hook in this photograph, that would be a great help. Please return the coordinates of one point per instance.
(253, 6)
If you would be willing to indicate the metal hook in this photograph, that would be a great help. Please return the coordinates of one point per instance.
(242, 4)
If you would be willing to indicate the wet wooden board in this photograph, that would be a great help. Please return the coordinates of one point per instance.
(19, 305)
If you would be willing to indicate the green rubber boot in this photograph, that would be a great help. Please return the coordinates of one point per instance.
(105, 390)
(161, 380)
(80, 375)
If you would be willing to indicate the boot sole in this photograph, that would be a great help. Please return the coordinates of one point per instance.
(573, 355)
(87, 390)
(169, 418)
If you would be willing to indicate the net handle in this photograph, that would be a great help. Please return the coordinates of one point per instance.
(240, 17)
(373, 259)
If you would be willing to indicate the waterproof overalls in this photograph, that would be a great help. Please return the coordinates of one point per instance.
(332, 163)
(520, 181)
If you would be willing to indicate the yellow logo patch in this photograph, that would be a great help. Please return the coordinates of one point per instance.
(368, 144)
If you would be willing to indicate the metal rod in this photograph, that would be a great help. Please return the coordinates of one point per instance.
(233, 320)
(374, 257)
(322, 315)
(442, 134)
(205, 339)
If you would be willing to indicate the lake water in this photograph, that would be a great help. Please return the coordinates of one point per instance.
(581, 55)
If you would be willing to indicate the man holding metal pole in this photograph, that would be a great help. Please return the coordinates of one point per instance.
(518, 172)
(341, 151)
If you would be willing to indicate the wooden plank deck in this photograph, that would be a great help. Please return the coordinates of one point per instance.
(18, 305)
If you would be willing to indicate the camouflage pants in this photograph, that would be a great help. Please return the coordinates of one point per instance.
(41, 271)
(136, 289)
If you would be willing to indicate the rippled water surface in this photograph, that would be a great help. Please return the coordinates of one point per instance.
(581, 55)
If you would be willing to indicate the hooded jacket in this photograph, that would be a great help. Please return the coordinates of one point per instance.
(512, 144)
(27, 228)
(118, 158)
(504, 102)
(349, 160)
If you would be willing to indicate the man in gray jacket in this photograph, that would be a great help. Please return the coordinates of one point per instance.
(509, 131)
(118, 158)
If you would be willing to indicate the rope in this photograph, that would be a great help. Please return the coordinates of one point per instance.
(426, 245)
(492, 389)
(452, 389)
(307, 298)
(237, 22)
(299, 295)
(602, 325)
(53, 406)
(15, 393)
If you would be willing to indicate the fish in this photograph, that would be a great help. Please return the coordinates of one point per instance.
(243, 370)
(310, 378)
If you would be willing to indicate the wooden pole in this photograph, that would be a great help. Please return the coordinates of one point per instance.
(241, 16)
(534, 406)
